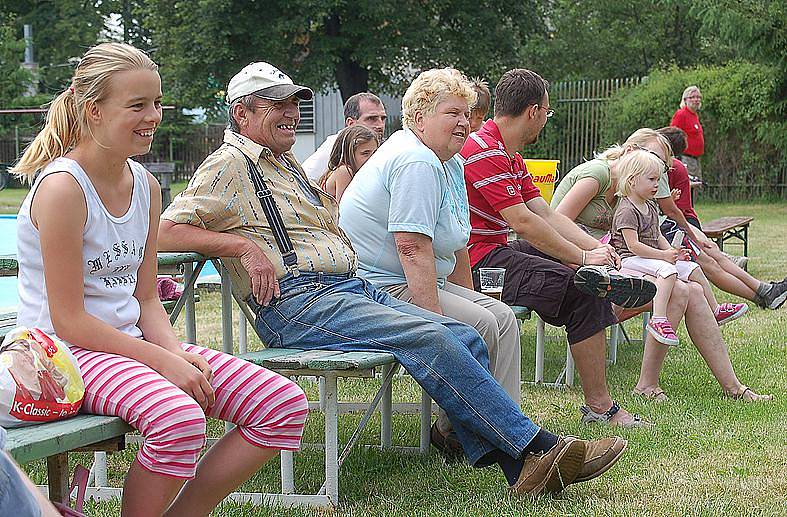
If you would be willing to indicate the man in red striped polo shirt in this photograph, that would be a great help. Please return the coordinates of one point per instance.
(540, 271)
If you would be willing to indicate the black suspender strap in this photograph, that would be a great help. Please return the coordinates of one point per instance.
(273, 215)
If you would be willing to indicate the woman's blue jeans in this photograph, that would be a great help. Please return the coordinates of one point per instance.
(447, 358)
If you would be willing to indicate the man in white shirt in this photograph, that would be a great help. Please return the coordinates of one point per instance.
(362, 108)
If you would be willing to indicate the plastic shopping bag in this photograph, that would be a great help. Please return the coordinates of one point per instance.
(39, 379)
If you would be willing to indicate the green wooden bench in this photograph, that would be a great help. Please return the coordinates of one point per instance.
(567, 374)
(328, 366)
(54, 441)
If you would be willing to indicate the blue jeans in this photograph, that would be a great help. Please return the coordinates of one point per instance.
(447, 358)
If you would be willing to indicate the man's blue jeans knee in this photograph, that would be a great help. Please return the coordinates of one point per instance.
(447, 358)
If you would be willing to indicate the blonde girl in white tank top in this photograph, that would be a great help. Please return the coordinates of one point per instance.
(87, 254)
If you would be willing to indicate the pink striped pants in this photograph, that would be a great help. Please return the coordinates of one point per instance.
(269, 410)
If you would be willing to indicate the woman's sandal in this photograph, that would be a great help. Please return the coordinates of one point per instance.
(748, 395)
(591, 417)
(654, 394)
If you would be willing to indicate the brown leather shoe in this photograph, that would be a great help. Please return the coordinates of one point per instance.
(600, 455)
(448, 444)
(552, 471)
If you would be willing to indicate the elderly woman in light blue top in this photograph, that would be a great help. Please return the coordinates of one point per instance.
(407, 216)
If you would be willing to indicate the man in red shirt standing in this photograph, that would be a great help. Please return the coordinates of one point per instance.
(540, 271)
(687, 119)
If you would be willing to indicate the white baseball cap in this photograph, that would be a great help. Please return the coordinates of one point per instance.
(266, 81)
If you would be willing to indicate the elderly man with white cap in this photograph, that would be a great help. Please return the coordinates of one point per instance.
(250, 203)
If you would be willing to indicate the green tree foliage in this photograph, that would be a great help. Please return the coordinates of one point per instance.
(125, 20)
(13, 78)
(62, 31)
(745, 133)
(755, 29)
(618, 38)
(355, 45)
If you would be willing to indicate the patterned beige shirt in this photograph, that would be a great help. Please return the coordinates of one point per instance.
(220, 197)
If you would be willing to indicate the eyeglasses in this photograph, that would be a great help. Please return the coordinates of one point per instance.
(695, 98)
(641, 148)
(549, 111)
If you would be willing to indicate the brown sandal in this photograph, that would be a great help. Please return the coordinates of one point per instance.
(751, 397)
(656, 394)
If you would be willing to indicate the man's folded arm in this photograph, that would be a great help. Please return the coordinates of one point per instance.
(186, 237)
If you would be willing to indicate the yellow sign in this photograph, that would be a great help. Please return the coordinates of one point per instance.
(544, 174)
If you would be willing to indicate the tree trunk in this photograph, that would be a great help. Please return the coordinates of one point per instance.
(351, 78)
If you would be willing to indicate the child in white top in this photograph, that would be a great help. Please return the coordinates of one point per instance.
(637, 239)
(353, 147)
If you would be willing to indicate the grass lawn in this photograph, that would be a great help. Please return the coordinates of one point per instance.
(706, 456)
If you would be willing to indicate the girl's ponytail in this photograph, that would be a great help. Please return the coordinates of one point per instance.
(66, 121)
(61, 132)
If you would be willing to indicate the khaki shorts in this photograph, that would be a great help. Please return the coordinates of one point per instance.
(692, 164)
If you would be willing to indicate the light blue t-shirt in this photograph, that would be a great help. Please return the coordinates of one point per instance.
(404, 187)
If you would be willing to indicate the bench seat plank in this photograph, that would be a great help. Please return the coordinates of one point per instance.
(260, 357)
(717, 227)
(521, 313)
(7, 324)
(8, 265)
(316, 360)
(352, 361)
(39, 441)
(166, 258)
(298, 360)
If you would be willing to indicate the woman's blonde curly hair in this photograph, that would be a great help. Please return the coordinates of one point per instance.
(431, 88)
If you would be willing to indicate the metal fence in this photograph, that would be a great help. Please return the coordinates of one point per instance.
(580, 111)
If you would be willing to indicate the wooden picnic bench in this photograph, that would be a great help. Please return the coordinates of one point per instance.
(726, 228)
(54, 441)
(102, 434)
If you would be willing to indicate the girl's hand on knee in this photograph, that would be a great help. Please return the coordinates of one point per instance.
(200, 363)
(191, 373)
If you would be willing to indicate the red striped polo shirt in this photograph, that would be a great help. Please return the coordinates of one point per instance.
(495, 180)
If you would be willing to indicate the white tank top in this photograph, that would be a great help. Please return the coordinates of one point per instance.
(112, 251)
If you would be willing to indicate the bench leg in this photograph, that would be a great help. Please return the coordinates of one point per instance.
(226, 319)
(386, 408)
(569, 367)
(57, 473)
(100, 468)
(287, 475)
(321, 392)
(191, 321)
(331, 440)
(243, 334)
(614, 337)
(540, 345)
(426, 421)
(746, 241)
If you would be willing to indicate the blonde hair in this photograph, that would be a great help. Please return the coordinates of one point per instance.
(640, 137)
(432, 87)
(688, 91)
(634, 164)
(484, 100)
(66, 120)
